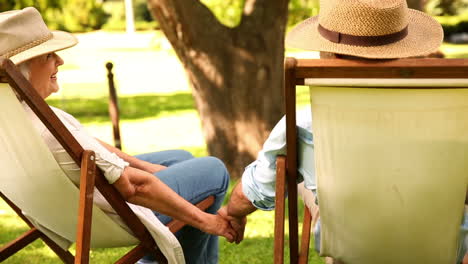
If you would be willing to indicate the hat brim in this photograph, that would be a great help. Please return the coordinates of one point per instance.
(60, 40)
(425, 35)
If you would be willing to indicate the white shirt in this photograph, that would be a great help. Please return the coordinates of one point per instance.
(108, 162)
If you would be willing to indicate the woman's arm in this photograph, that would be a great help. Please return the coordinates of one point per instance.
(142, 188)
(134, 162)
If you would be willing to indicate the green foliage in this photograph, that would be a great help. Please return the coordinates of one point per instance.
(228, 12)
(116, 10)
(82, 15)
(142, 13)
(447, 7)
(453, 24)
(301, 9)
(70, 15)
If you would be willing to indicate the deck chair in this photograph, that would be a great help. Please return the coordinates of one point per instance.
(390, 147)
(56, 210)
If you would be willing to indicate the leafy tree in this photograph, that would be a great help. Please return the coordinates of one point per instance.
(236, 71)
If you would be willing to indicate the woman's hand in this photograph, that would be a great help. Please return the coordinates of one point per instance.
(219, 226)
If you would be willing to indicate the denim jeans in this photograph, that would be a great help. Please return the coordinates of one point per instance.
(194, 179)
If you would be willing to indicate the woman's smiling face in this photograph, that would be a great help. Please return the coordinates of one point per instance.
(43, 73)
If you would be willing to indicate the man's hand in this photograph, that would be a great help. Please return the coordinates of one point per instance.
(237, 223)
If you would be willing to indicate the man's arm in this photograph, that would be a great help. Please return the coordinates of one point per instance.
(239, 205)
(236, 211)
(142, 188)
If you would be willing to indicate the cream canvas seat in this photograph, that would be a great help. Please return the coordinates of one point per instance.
(57, 210)
(390, 158)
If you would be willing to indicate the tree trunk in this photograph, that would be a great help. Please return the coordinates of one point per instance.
(236, 74)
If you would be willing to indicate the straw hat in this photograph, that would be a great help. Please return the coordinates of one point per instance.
(368, 28)
(24, 35)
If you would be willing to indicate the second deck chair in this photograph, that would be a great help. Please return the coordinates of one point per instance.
(391, 149)
(56, 210)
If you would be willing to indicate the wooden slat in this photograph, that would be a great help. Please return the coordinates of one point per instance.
(280, 190)
(85, 210)
(291, 153)
(19, 243)
(176, 225)
(305, 238)
(345, 68)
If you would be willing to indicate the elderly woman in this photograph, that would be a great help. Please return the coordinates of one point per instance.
(168, 182)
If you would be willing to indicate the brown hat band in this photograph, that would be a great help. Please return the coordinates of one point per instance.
(366, 41)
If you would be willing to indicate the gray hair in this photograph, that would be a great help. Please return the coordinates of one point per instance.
(24, 69)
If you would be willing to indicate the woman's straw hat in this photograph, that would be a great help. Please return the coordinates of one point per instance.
(24, 35)
(368, 28)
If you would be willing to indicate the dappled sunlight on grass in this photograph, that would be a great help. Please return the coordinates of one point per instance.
(181, 130)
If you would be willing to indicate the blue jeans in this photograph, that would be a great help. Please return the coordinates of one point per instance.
(194, 179)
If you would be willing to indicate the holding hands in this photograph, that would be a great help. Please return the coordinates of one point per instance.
(237, 224)
(235, 212)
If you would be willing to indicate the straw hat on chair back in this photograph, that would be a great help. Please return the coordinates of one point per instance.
(368, 28)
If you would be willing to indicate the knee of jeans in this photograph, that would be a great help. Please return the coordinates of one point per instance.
(184, 154)
(218, 166)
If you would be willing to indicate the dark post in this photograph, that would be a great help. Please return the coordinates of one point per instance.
(113, 106)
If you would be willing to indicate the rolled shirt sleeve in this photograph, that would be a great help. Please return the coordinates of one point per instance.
(259, 178)
(111, 164)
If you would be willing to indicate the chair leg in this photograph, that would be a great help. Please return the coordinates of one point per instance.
(305, 239)
(85, 210)
(279, 209)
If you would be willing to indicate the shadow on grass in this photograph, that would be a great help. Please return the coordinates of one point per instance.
(131, 107)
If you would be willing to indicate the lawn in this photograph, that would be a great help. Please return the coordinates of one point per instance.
(156, 111)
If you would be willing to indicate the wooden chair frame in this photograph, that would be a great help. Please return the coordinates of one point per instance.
(295, 73)
(90, 177)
